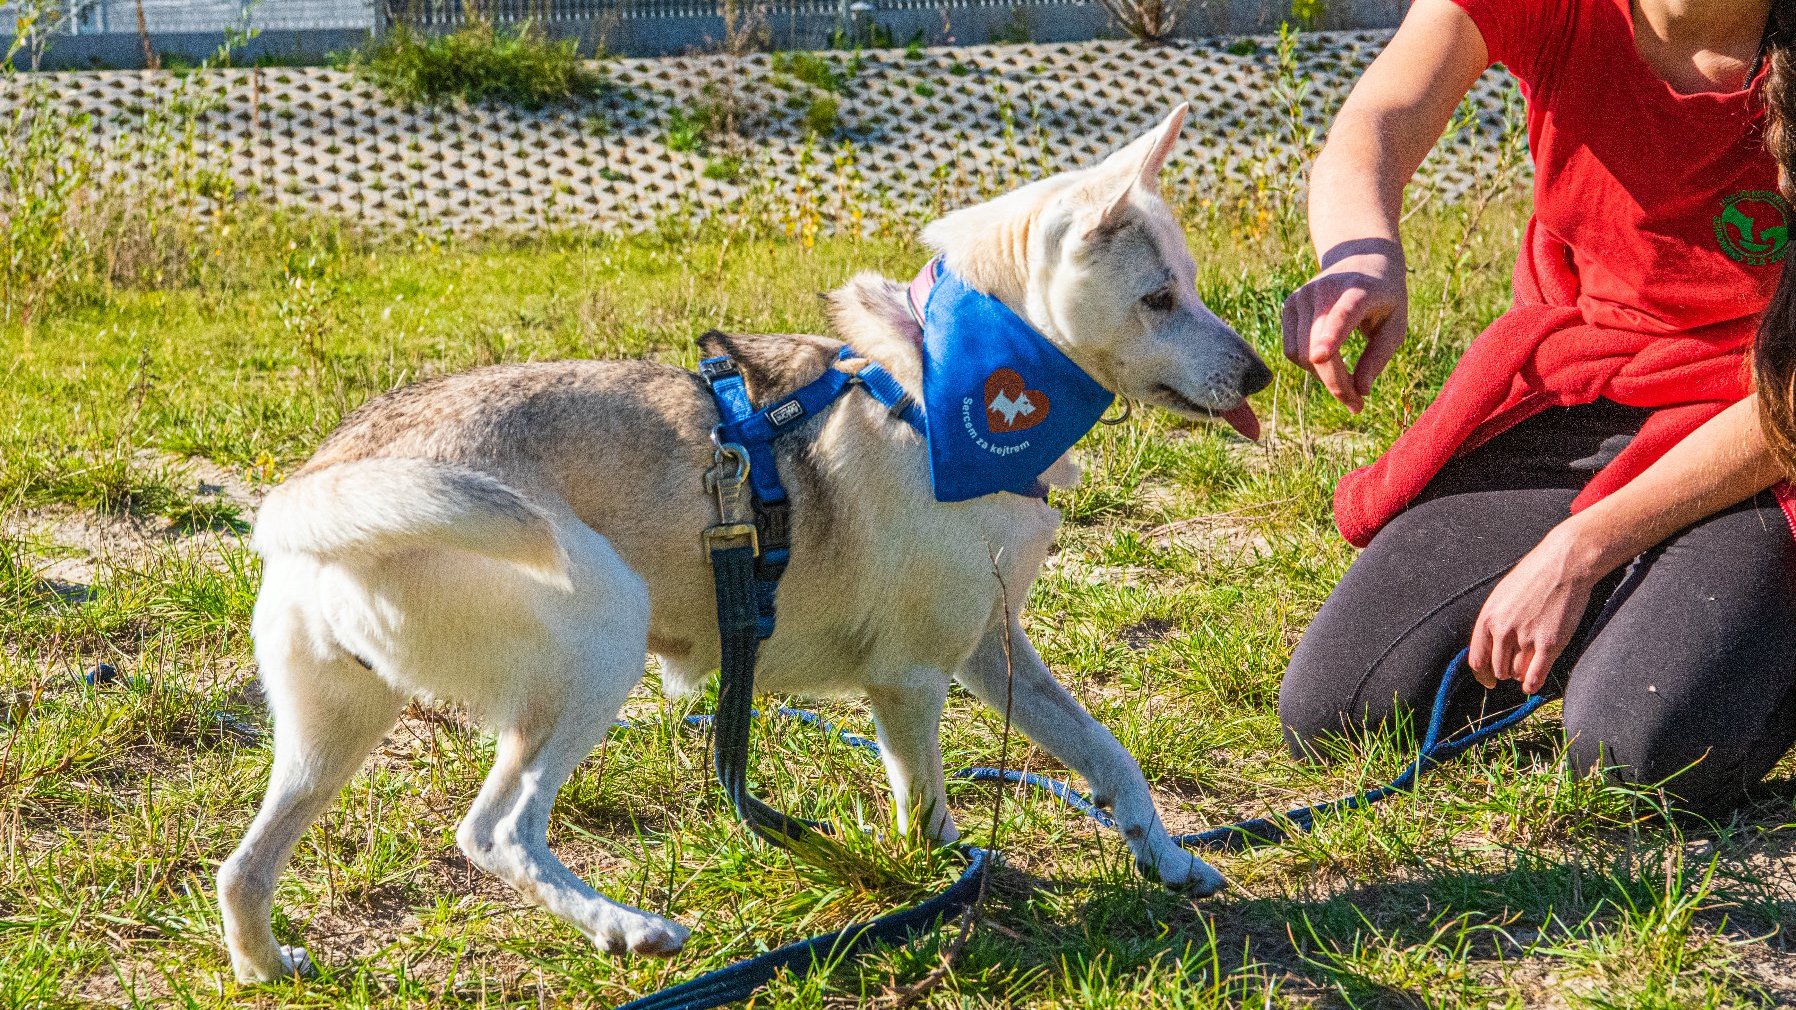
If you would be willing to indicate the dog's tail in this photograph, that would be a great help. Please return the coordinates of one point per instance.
(375, 507)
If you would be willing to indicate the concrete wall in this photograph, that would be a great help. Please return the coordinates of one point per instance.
(907, 134)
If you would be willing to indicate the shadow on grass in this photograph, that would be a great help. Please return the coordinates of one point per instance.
(1345, 949)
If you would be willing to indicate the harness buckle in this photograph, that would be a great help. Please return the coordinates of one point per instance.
(712, 369)
(724, 536)
(727, 480)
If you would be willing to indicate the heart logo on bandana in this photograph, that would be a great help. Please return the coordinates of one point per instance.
(1010, 405)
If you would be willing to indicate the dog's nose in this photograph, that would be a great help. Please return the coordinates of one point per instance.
(1256, 378)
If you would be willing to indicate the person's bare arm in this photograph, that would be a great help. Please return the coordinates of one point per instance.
(1530, 617)
(1389, 123)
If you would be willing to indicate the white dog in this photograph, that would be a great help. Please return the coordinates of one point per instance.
(516, 538)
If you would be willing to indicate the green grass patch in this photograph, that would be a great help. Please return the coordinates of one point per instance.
(1190, 563)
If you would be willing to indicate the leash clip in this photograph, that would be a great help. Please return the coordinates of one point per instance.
(727, 480)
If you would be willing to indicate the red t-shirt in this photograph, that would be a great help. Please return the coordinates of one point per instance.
(1634, 179)
(1657, 239)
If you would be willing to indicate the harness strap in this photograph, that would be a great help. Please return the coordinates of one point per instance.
(756, 430)
(733, 569)
(747, 570)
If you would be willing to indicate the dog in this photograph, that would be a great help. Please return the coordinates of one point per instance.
(518, 537)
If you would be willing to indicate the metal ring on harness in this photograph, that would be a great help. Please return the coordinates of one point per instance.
(1128, 408)
(721, 450)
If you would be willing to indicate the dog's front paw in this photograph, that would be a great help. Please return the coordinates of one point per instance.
(645, 935)
(294, 962)
(1181, 871)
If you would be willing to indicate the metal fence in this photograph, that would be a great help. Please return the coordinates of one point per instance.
(449, 13)
(106, 33)
(99, 17)
(452, 13)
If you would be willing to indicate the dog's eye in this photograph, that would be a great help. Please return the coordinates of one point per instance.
(1161, 301)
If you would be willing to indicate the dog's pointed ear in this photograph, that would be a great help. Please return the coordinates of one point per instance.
(1140, 163)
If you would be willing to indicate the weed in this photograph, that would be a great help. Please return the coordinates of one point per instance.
(1308, 14)
(820, 115)
(72, 227)
(479, 62)
(815, 69)
(46, 174)
(862, 33)
(689, 129)
(728, 168)
(1147, 20)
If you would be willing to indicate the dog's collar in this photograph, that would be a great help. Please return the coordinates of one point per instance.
(916, 297)
(1003, 404)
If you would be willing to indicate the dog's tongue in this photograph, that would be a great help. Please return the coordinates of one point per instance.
(1243, 420)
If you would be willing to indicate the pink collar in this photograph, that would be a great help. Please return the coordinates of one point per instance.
(920, 287)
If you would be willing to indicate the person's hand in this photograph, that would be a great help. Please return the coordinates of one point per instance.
(1530, 617)
(1362, 287)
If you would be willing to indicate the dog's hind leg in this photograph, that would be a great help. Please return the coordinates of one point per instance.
(579, 674)
(329, 713)
(1049, 715)
(908, 719)
(506, 830)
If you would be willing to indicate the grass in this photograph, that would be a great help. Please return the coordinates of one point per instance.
(142, 418)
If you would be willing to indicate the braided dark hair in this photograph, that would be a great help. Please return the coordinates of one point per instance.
(1774, 353)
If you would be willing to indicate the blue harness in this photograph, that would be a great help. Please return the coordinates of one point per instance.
(752, 431)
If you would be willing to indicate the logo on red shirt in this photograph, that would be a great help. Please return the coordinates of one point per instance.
(1754, 227)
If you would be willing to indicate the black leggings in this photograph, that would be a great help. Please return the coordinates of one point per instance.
(1687, 657)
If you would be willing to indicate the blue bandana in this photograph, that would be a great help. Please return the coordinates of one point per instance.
(1002, 402)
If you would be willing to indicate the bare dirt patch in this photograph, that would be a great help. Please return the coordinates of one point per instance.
(70, 546)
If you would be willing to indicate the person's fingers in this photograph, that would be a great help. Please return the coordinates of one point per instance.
(1539, 665)
(1327, 334)
(1519, 659)
(1478, 656)
(1297, 320)
(1381, 346)
(1336, 378)
(1502, 655)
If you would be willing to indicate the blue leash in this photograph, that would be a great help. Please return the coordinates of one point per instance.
(743, 979)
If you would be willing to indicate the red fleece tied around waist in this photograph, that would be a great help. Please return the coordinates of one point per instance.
(1542, 354)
